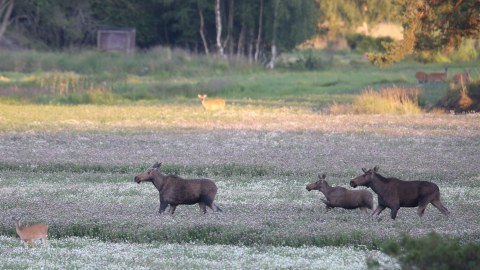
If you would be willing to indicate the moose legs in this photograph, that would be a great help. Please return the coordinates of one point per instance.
(163, 206)
(438, 204)
(378, 210)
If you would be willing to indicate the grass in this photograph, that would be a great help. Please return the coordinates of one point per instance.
(80, 182)
(72, 167)
(167, 76)
(138, 118)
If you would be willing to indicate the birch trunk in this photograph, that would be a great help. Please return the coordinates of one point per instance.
(202, 33)
(218, 23)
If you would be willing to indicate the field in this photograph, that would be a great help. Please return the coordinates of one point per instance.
(73, 168)
(76, 127)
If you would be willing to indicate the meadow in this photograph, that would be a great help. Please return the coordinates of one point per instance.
(72, 167)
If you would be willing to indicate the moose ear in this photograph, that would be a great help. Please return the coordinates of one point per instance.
(375, 169)
(364, 170)
(157, 165)
(324, 176)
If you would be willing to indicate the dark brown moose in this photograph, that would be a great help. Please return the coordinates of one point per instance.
(175, 190)
(394, 193)
(342, 197)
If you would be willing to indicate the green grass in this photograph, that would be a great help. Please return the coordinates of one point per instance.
(163, 75)
(72, 167)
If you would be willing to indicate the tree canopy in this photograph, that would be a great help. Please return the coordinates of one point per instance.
(435, 25)
(257, 29)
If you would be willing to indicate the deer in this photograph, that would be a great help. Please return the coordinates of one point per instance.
(421, 77)
(31, 233)
(175, 190)
(211, 104)
(395, 193)
(438, 76)
(462, 79)
(342, 197)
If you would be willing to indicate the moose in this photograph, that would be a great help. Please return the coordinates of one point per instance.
(31, 233)
(395, 193)
(342, 197)
(175, 190)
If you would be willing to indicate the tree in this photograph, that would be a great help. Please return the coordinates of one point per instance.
(6, 7)
(435, 25)
(218, 24)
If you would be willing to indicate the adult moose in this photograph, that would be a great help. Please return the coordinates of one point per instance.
(342, 197)
(395, 193)
(175, 190)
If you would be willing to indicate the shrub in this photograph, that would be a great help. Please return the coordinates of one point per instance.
(391, 100)
(362, 43)
(434, 252)
(466, 52)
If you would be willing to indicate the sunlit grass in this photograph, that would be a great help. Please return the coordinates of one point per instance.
(139, 118)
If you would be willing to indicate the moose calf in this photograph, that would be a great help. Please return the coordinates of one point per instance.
(175, 190)
(342, 197)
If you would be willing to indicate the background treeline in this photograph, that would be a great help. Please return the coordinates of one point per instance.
(256, 29)
(248, 27)
(61, 24)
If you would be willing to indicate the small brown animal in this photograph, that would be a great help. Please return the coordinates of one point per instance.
(421, 77)
(461, 79)
(175, 190)
(437, 77)
(342, 197)
(31, 233)
(394, 193)
(212, 104)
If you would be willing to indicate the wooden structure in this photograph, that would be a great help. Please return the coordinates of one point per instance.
(120, 40)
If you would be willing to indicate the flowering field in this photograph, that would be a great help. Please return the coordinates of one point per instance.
(78, 178)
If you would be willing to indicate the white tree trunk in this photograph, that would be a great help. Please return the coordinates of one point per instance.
(218, 22)
(6, 7)
(257, 47)
(202, 34)
(271, 64)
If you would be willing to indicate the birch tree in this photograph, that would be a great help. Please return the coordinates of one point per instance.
(6, 7)
(218, 24)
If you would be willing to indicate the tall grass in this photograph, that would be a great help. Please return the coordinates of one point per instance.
(434, 252)
(390, 100)
(160, 61)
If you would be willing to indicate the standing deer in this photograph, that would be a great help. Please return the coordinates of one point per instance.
(395, 193)
(174, 190)
(212, 104)
(438, 77)
(462, 79)
(31, 233)
(342, 197)
(421, 77)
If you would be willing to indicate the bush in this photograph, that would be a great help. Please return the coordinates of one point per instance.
(391, 100)
(466, 52)
(362, 43)
(434, 252)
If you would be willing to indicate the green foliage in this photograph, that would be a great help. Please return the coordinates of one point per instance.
(434, 252)
(341, 17)
(362, 43)
(432, 26)
(466, 52)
